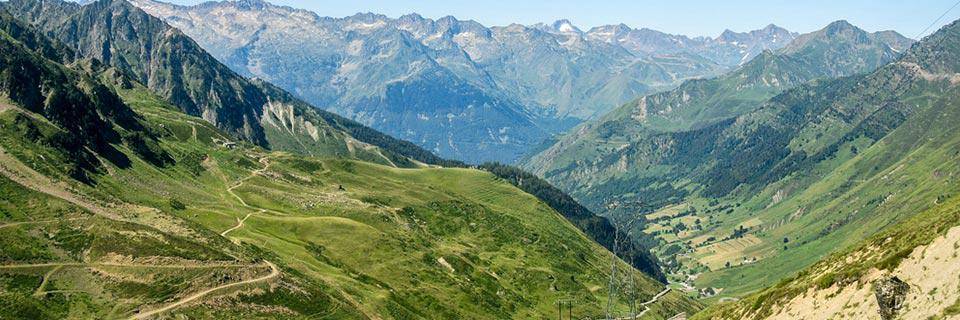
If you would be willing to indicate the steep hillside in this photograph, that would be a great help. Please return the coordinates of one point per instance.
(628, 143)
(740, 203)
(189, 226)
(598, 228)
(171, 65)
(908, 271)
(840, 49)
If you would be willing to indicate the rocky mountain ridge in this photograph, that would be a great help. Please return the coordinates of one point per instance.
(506, 88)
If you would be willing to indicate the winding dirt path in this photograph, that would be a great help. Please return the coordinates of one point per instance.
(239, 223)
(265, 161)
(123, 265)
(22, 174)
(646, 305)
(274, 272)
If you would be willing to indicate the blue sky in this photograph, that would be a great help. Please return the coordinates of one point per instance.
(693, 18)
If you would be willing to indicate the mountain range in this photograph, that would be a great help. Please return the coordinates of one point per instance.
(640, 138)
(457, 88)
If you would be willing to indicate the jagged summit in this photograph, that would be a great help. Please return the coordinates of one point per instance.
(840, 25)
(251, 4)
(565, 26)
(562, 26)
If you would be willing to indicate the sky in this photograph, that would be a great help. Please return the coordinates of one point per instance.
(687, 17)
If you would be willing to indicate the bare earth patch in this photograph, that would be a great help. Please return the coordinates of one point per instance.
(932, 272)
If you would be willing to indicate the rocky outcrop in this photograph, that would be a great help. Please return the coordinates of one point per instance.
(891, 294)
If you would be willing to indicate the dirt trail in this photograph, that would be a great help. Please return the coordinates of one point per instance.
(239, 224)
(274, 272)
(265, 161)
(123, 265)
(646, 305)
(13, 169)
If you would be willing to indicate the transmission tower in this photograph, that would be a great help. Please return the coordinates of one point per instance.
(613, 272)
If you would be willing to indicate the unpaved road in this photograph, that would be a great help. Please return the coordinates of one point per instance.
(124, 265)
(239, 223)
(646, 305)
(46, 278)
(274, 272)
(20, 173)
(265, 161)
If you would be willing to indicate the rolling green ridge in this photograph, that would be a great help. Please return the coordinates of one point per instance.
(736, 205)
(598, 228)
(117, 204)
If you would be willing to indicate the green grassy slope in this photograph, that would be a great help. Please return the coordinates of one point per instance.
(184, 226)
(395, 243)
(884, 251)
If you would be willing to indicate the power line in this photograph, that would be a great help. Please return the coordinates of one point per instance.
(937, 20)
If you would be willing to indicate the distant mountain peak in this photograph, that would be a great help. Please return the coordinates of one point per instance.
(728, 35)
(365, 16)
(840, 26)
(770, 32)
(772, 28)
(252, 4)
(412, 17)
(562, 26)
(565, 26)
